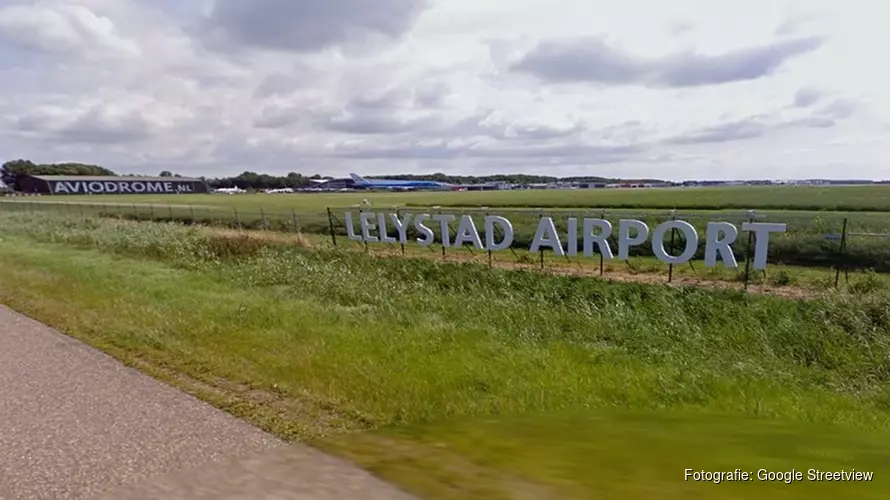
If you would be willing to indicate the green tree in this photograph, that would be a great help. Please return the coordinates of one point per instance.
(12, 171)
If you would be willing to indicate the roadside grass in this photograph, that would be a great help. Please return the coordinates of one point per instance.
(618, 455)
(528, 380)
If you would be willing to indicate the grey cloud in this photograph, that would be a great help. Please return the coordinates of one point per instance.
(307, 25)
(91, 130)
(277, 117)
(581, 60)
(590, 154)
(479, 124)
(761, 125)
(586, 152)
(839, 109)
(370, 124)
(732, 131)
(810, 122)
(531, 132)
(392, 98)
(93, 127)
(788, 27)
(370, 113)
(679, 27)
(432, 95)
(795, 24)
(384, 112)
(423, 96)
(403, 153)
(543, 132)
(279, 84)
(806, 97)
(593, 60)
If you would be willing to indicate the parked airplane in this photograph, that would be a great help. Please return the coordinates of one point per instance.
(234, 190)
(397, 185)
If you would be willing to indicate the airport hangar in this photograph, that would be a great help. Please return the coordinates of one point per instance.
(83, 184)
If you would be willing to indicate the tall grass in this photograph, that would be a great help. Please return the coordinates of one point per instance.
(804, 243)
(408, 341)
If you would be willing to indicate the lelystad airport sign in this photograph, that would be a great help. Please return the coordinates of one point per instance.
(581, 237)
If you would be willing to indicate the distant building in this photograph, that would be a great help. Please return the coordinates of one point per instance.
(83, 184)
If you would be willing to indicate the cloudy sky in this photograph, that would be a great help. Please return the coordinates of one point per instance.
(638, 88)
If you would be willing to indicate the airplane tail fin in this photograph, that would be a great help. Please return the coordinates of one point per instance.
(359, 179)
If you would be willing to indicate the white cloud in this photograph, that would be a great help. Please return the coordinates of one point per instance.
(684, 89)
(63, 28)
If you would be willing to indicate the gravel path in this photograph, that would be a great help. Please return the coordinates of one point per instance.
(76, 424)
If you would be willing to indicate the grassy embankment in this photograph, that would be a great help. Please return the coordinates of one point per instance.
(469, 382)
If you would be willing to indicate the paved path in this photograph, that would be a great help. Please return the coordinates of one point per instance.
(76, 424)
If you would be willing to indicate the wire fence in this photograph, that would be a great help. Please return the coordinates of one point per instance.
(830, 244)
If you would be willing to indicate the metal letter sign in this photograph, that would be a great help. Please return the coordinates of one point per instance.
(375, 228)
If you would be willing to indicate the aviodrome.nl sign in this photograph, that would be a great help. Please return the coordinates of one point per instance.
(121, 187)
(582, 235)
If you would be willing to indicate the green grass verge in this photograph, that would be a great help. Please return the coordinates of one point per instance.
(618, 456)
(467, 382)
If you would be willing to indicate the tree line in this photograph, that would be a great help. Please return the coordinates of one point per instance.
(11, 172)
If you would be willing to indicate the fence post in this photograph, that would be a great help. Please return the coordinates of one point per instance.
(602, 260)
(361, 210)
(151, 209)
(192, 213)
(490, 263)
(673, 234)
(540, 218)
(293, 214)
(237, 218)
(748, 249)
(402, 243)
(172, 217)
(331, 227)
(437, 207)
(843, 258)
(265, 220)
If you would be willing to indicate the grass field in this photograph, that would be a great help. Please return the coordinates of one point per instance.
(804, 244)
(458, 381)
(836, 198)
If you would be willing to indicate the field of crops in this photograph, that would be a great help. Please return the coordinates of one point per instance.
(459, 381)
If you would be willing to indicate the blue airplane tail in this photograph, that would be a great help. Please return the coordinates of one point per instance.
(359, 180)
